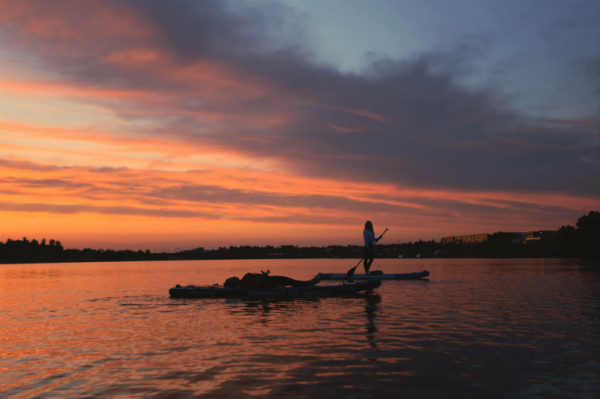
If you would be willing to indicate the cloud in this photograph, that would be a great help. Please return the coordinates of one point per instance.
(108, 210)
(154, 193)
(219, 76)
(44, 183)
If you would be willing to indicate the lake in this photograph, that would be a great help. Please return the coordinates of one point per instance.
(476, 328)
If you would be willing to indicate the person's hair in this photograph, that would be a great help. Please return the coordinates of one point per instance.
(369, 226)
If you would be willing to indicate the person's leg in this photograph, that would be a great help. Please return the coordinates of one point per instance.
(368, 264)
(368, 259)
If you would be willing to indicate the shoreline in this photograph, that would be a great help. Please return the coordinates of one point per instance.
(37, 261)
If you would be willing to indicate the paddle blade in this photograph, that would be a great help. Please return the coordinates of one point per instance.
(351, 271)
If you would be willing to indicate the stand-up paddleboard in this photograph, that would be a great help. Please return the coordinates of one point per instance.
(194, 291)
(374, 276)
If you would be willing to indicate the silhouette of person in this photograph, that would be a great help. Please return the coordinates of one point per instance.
(370, 241)
(264, 280)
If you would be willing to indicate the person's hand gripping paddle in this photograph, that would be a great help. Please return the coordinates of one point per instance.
(350, 272)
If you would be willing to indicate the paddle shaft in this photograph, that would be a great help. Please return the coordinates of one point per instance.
(381, 236)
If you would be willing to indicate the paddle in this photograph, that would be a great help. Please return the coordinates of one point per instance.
(350, 272)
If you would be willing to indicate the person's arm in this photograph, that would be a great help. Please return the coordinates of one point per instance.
(379, 238)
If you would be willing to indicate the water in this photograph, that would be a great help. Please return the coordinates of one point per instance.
(478, 328)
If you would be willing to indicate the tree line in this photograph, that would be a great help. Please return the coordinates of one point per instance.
(583, 240)
(579, 241)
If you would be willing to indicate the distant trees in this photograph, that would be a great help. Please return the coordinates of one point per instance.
(588, 227)
(583, 241)
(25, 251)
(566, 241)
(580, 241)
(29, 250)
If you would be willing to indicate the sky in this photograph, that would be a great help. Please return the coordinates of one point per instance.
(161, 125)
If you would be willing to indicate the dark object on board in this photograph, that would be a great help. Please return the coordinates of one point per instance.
(264, 280)
(193, 291)
(378, 275)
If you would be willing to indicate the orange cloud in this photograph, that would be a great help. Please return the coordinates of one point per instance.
(266, 200)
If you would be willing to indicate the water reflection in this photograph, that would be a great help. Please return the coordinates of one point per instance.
(27, 273)
(478, 328)
(371, 309)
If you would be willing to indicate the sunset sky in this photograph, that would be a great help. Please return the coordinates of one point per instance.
(160, 125)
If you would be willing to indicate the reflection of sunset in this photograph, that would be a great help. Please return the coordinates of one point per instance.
(109, 329)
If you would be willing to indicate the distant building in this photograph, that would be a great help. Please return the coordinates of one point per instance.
(502, 237)
(468, 239)
(195, 250)
(448, 240)
(535, 235)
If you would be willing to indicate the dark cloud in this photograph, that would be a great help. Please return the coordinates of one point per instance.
(405, 122)
(211, 194)
(167, 213)
(107, 210)
(32, 166)
(45, 183)
(26, 165)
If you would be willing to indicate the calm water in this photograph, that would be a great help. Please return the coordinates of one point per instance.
(476, 328)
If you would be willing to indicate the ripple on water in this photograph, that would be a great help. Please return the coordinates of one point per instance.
(473, 330)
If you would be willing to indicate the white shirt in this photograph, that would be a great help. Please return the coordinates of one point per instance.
(369, 238)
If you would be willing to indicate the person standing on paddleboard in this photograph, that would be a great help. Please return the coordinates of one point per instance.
(370, 241)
